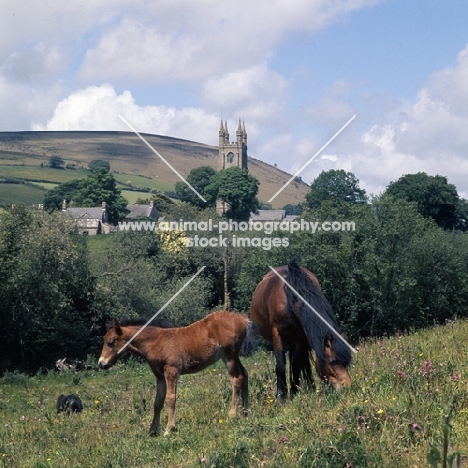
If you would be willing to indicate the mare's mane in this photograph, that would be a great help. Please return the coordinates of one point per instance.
(313, 326)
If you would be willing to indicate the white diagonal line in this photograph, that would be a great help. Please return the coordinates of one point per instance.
(312, 309)
(312, 158)
(161, 309)
(162, 159)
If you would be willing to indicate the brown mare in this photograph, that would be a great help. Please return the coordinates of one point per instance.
(288, 323)
(171, 352)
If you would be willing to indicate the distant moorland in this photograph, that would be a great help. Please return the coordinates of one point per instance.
(24, 157)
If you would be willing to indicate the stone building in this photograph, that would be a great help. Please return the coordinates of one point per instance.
(232, 154)
(90, 221)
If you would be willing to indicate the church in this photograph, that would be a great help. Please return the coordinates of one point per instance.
(232, 154)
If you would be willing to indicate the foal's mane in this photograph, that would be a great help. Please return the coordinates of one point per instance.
(140, 322)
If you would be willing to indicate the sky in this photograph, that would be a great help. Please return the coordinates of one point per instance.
(295, 71)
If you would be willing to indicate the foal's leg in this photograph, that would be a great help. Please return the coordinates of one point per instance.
(158, 405)
(280, 358)
(239, 380)
(171, 375)
(245, 391)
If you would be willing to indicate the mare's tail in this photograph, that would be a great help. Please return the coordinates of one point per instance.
(315, 329)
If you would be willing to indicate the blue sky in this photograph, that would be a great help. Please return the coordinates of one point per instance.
(294, 71)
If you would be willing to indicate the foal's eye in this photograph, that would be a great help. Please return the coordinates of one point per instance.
(111, 343)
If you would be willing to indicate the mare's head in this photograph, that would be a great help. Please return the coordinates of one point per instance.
(113, 343)
(333, 367)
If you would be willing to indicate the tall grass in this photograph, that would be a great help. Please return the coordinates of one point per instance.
(393, 416)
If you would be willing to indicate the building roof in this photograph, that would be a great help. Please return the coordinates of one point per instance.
(92, 212)
(268, 215)
(140, 210)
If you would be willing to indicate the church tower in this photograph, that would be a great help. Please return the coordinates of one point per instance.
(232, 154)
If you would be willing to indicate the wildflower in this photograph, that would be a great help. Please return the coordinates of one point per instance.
(340, 430)
(220, 421)
(97, 402)
(203, 460)
(22, 418)
(284, 439)
(456, 376)
(402, 375)
(426, 369)
(380, 411)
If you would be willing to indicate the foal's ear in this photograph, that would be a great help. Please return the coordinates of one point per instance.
(116, 326)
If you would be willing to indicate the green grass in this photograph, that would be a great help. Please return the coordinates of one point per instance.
(38, 173)
(386, 419)
(45, 185)
(133, 196)
(21, 193)
(142, 182)
(47, 178)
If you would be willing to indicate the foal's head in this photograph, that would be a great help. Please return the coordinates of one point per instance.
(334, 367)
(113, 343)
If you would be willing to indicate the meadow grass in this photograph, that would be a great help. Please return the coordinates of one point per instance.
(21, 193)
(38, 173)
(401, 388)
(142, 182)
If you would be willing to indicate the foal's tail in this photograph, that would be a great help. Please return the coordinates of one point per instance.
(251, 339)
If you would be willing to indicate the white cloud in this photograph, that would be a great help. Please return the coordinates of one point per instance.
(427, 135)
(255, 93)
(98, 108)
(22, 105)
(39, 64)
(188, 39)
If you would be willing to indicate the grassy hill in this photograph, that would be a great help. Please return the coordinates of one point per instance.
(25, 155)
(395, 408)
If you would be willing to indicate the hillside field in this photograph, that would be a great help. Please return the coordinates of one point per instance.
(24, 156)
(402, 387)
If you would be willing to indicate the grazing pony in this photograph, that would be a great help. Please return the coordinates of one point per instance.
(171, 352)
(286, 321)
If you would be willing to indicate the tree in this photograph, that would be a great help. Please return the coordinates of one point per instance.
(293, 209)
(53, 198)
(462, 215)
(98, 187)
(199, 178)
(97, 163)
(238, 189)
(46, 290)
(434, 197)
(336, 185)
(56, 162)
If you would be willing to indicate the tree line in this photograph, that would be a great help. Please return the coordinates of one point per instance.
(403, 267)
